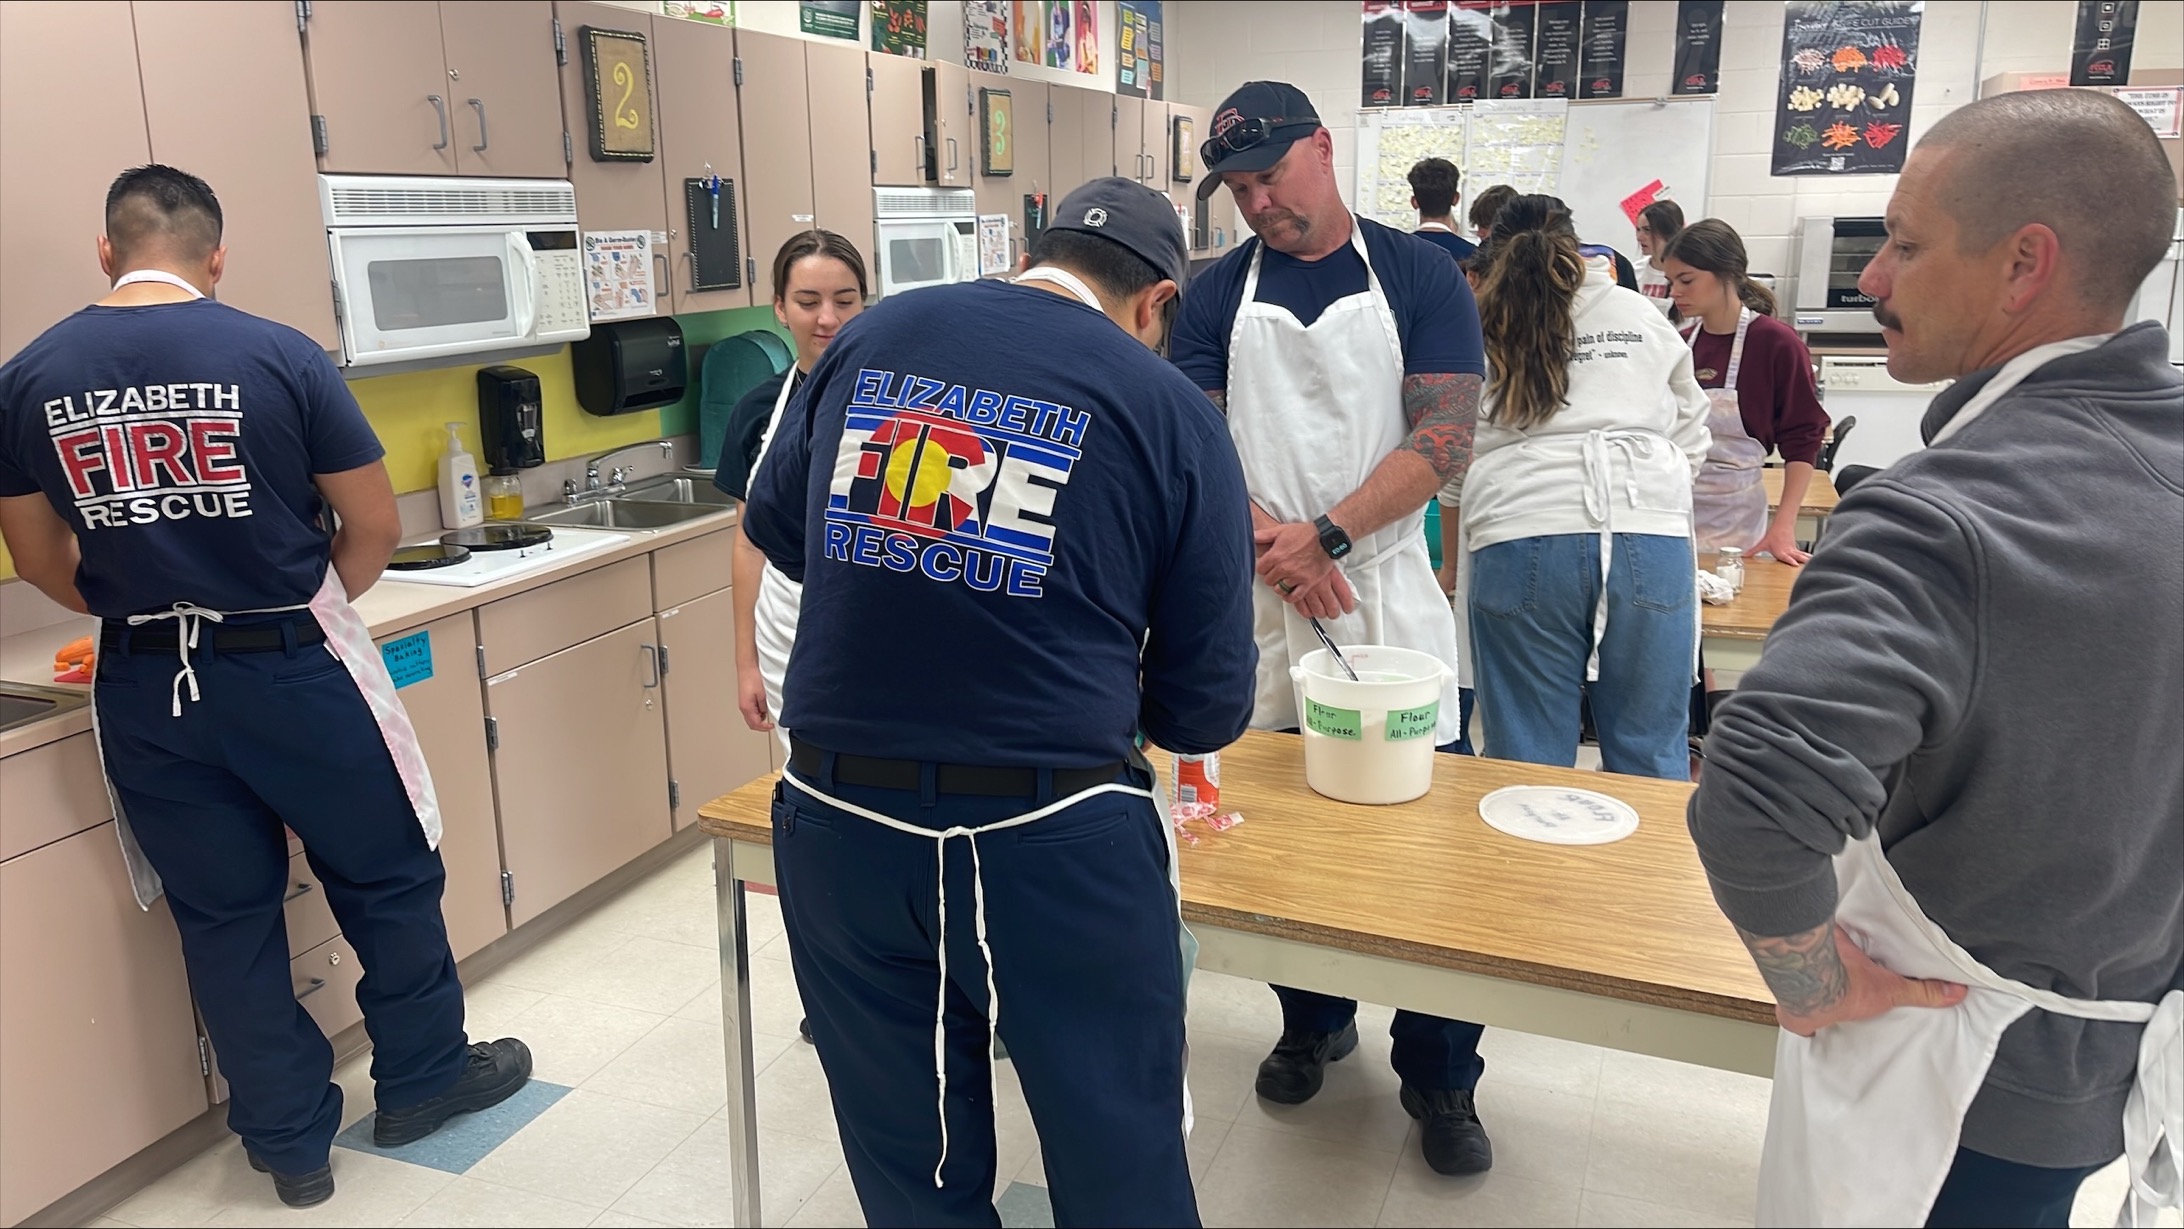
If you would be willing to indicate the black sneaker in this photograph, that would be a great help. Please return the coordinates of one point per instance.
(298, 1190)
(1291, 1075)
(495, 1070)
(803, 1029)
(1449, 1131)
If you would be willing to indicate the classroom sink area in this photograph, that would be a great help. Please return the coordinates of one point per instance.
(23, 703)
(623, 512)
(675, 490)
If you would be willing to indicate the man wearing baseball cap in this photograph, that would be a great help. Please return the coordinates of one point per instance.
(1347, 358)
(1024, 540)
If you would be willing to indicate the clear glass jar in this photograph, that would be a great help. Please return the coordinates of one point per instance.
(1730, 566)
(503, 498)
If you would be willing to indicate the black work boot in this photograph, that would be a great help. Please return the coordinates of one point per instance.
(298, 1190)
(1449, 1131)
(1291, 1075)
(491, 1075)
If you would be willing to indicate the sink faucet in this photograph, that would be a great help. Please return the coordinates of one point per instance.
(616, 476)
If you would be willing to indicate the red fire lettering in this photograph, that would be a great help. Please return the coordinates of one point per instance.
(154, 446)
(212, 446)
(80, 457)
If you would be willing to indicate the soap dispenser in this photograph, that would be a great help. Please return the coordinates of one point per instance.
(461, 503)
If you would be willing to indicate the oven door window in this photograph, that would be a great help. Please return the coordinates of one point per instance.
(437, 292)
(915, 260)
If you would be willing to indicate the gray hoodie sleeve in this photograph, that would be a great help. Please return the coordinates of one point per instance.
(1875, 657)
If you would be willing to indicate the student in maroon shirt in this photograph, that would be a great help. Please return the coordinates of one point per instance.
(1773, 389)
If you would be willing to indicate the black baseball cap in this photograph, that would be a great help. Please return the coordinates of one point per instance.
(1127, 212)
(1253, 128)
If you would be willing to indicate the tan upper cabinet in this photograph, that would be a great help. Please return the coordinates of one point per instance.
(841, 149)
(1065, 141)
(97, 1035)
(777, 146)
(617, 194)
(1100, 156)
(954, 126)
(1083, 138)
(501, 87)
(700, 128)
(1130, 139)
(240, 132)
(56, 61)
(1156, 146)
(898, 120)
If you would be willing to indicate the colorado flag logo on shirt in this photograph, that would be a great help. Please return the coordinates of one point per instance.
(952, 482)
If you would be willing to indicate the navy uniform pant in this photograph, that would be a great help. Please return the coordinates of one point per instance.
(1081, 922)
(283, 737)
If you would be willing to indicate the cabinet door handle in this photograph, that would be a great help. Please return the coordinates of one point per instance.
(951, 157)
(317, 984)
(302, 889)
(919, 139)
(652, 660)
(439, 107)
(479, 105)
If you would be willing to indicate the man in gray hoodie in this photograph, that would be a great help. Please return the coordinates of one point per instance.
(1981, 676)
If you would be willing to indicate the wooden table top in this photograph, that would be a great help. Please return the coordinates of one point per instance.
(1765, 595)
(1820, 496)
(1430, 883)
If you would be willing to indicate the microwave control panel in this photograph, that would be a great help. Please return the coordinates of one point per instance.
(562, 310)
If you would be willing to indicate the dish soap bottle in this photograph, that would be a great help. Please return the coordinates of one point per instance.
(461, 504)
(503, 496)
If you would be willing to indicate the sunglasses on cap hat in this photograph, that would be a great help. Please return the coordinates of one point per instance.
(1245, 134)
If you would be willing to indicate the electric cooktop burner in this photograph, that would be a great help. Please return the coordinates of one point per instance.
(424, 558)
(499, 536)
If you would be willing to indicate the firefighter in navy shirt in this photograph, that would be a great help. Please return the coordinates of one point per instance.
(1023, 541)
(167, 464)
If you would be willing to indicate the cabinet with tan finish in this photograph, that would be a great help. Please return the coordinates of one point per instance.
(528, 626)
(1130, 118)
(70, 118)
(690, 569)
(305, 915)
(841, 149)
(700, 127)
(777, 149)
(325, 979)
(1029, 172)
(709, 749)
(50, 793)
(898, 120)
(954, 127)
(618, 194)
(97, 1035)
(448, 713)
(501, 87)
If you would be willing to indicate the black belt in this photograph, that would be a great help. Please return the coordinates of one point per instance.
(262, 638)
(864, 770)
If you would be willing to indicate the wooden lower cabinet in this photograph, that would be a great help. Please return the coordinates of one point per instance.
(709, 750)
(580, 770)
(325, 979)
(97, 1036)
(449, 715)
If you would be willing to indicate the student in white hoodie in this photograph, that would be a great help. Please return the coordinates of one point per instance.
(1577, 510)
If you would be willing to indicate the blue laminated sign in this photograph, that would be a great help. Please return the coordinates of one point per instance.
(409, 659)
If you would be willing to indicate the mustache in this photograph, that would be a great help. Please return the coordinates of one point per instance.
(1274, 217)
(1888, 319)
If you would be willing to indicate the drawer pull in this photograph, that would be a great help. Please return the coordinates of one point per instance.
(302, 888)
(317, 984)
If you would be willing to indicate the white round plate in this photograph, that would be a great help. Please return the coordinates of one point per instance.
(1553, 815)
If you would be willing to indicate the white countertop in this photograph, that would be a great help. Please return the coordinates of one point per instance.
(388, 607)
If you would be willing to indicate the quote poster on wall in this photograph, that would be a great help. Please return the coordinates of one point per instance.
(986, 35)
(1470, 45)
(1509, 64)
(898, 27)
(1844, 99)
(828, 18)
(1606, 34)
(1425, 52)
(1556, 48)
(1383, 72)
(2100, 49)
(1698, 47)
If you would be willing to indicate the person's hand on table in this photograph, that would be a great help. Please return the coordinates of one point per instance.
(751, 698)
(1290, 558)
(1781, 542)
(1329, 597)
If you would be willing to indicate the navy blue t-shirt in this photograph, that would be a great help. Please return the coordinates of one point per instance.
(1435, 316)
(1449, 241)
(746, 433)
(178, 440)
(996, 499)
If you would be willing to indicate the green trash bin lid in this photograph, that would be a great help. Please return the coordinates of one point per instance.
(733, 366)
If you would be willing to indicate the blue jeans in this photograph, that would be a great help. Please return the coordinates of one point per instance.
(1532, 603)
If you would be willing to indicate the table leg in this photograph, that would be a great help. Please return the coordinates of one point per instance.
(735, 1018)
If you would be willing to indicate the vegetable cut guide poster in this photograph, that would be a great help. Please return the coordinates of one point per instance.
(1843, 106)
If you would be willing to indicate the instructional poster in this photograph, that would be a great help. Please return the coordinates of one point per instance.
(1470, 42)
(898, 27)
(1844, 99)
(1138, 54)
(618, 274)
(1383, 71)
(986, 35)
(828, 18)
(1425, 53)
(1698, 47)
(1518, 143)
(1556, 48)
(1607, 29)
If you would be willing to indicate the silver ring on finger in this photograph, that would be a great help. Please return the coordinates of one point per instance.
(1285, 587)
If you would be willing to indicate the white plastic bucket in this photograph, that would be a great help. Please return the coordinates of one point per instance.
(1370, 741)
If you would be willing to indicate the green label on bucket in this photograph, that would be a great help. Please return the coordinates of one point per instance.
(1405, 724)
(1334, 722)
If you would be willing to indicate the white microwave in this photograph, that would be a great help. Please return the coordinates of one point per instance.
(924, 237)
(427, 267)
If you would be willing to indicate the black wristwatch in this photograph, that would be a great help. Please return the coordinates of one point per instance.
(1332, 538)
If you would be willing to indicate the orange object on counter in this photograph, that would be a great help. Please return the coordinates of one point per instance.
(73, 664)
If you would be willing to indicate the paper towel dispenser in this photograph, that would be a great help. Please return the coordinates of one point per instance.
(630, 365)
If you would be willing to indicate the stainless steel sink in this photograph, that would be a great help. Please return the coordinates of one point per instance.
(23, 703)
(678, 491)
(623, 513)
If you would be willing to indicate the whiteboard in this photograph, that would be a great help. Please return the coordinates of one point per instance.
(1389, 142)
(1612, 149)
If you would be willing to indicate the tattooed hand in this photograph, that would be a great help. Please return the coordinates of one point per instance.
(1821, 978)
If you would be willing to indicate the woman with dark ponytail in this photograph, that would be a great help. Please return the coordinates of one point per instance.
(1577, 509)
(1758, 375)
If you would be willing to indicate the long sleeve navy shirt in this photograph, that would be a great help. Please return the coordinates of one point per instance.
(1023, 537)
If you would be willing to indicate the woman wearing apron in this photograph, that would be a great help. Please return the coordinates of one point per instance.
(1576, 513)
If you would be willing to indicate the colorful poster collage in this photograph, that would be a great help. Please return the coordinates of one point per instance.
(1141, 68)
(1062, 34)
(1429, 53)
(1843, 106)
(898, 27)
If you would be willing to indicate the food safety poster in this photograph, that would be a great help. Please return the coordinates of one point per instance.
(618, 273)
(1844, 103)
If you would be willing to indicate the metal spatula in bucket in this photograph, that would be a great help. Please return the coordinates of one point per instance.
(1320, 630)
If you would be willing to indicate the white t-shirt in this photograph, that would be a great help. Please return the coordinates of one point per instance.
(1631, 383)
(1652, 283)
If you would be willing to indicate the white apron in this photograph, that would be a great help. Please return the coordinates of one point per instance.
(347, 639)
(1312, 411)
(1866, 1116)
(780, 599)
(1728, 500)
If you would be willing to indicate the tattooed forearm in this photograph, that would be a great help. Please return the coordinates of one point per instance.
(1443, 410)
(1804, 970)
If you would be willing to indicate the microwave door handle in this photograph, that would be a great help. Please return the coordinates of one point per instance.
(523, 272)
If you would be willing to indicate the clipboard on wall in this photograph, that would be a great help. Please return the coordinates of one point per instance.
(716, 256)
